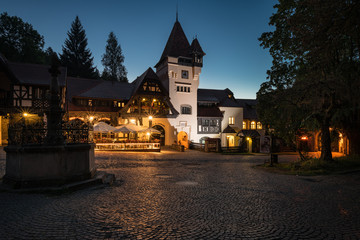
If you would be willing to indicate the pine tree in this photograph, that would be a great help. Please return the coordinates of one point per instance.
(113, 60)
(76, 56)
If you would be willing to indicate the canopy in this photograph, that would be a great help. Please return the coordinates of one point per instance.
(124, 129)
(103, 127)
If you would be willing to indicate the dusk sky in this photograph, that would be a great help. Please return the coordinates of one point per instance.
(228, 32)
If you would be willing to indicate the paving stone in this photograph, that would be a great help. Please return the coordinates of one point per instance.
(230, 200)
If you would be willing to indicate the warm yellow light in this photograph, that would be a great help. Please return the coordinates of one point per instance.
(304, 138)
(148, 133)
(154, 100)
(150, 117)
(25, 114)
(132, 121)
(248, 138)
(144, 99)
(91, 118)
(340, 135)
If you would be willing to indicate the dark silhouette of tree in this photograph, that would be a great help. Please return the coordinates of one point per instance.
(19, 42)
(315, 71)
(48, 55)
(76, 56)
(113, 60)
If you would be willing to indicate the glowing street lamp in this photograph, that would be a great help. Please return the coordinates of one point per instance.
(25, 114)
(150, 121)
(91, 118)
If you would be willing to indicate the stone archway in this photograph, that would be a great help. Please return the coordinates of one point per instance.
(160, 137)
(182, 138)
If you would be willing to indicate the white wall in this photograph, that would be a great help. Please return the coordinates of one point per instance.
(236, 112)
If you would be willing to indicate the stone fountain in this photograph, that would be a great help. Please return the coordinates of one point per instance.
(52, 156)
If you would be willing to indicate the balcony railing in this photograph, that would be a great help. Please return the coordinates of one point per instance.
(146, 147)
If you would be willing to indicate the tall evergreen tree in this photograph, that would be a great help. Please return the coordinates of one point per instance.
(76, 56)
(113, 60)
(19, 42)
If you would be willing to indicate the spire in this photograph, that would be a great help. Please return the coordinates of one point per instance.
(177, 12)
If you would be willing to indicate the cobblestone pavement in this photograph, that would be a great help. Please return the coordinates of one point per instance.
(189, 195)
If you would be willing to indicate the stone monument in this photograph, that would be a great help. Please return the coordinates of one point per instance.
(57, 156)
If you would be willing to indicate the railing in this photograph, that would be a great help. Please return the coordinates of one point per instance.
(24, 136)
(128, 146)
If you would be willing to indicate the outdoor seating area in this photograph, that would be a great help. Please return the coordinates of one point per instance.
(127, 137)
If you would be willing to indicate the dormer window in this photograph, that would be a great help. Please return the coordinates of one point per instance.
(185, 74)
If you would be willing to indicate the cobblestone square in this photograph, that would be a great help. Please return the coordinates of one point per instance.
(191, 195)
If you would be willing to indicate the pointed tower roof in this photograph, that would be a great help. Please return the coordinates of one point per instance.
(177, 44)
(196, 48)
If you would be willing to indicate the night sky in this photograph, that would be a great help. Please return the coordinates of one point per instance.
(228, 32)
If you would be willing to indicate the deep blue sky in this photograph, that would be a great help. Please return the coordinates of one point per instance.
(226, 29)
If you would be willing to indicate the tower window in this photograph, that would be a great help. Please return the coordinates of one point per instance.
(185, 109)
(253, 125)
(185, 74)
(182, 89)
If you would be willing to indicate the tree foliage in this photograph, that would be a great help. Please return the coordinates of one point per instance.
(19, 41)
(76, 56)
(315, 71)
(113, 60)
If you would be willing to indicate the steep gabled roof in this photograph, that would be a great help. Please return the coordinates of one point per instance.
(209, 112)
(249, 106)
(96, 88)
(221, 97)
(148, 74)
(177, 44)
(110, 90)
(35, 74)
(196, 48)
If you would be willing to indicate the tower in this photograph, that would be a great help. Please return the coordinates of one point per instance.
(179, 68)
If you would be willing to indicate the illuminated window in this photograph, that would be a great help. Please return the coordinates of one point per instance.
(231, 120)
(244, 125)
(259, 125)
(90, 103)
(253, 125)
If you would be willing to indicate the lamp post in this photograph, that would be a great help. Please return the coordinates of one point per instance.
(150, 121)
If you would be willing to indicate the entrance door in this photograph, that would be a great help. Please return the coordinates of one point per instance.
(160, 137)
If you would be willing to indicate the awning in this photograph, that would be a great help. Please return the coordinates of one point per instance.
(103, 127)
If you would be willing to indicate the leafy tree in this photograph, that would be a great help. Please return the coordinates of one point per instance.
(113, 60)
(76, 56)
(311, 81)
(19, 42)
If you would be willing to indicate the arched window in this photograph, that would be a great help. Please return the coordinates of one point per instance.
(253, 125)
(185, 109)
(244, 125)
(259, 125)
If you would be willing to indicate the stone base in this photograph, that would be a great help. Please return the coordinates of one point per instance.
(41, 166)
